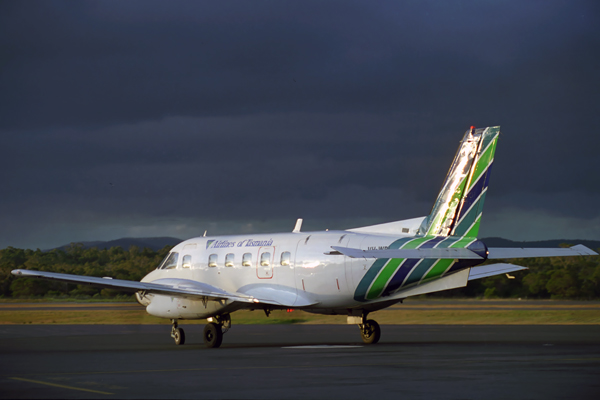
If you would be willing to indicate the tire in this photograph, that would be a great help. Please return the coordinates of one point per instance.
(213, 336)
(179, 336)
(370, 333)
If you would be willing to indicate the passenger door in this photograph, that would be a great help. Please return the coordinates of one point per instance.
(264, 263)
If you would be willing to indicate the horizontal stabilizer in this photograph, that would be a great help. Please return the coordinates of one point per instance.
(493, 269)
(503, 253)
(409, 253)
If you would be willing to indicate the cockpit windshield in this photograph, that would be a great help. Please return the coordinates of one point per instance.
(170, 261)
(160, 264)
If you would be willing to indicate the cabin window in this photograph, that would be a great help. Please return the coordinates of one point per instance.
(212, 260)
(247, 260)
(187, 261)
(229, 260)
(285, 258)
(171, 261)
(265, 259)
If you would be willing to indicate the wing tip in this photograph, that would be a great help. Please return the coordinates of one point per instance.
(583, 250)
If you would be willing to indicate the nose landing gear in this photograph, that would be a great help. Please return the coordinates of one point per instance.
(177, 333)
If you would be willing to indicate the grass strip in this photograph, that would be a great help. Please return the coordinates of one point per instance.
(393, 317)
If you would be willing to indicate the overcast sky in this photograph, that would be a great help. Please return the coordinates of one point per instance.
(139, 118)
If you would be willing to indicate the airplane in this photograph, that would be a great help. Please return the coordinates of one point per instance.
(351, 272)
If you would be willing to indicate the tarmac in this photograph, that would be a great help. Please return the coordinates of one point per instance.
(301, 362)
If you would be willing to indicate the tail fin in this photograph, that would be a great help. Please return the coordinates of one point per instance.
(457, 210)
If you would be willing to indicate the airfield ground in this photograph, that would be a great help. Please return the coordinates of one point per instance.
(412, 312)
(429, 349)
(287, 361)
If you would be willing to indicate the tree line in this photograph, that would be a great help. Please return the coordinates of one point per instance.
(132, 264)
(556, 277)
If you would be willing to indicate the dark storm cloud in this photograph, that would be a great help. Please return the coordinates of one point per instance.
(98, 63)
(119, 114)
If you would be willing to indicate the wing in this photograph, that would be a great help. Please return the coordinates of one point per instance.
(277, 295)
(408, 253)
(186, 288)
(175, 287)
(503, 253)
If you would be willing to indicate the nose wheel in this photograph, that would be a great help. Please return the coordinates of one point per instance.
(177, 333)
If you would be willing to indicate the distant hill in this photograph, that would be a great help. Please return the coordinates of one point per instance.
(154, 243)
(157, 243)
(499, 242)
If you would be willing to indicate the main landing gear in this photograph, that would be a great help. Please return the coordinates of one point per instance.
(370, 332)
(213, 331)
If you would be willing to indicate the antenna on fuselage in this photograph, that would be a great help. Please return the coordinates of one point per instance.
(298, 225)
(204, 234)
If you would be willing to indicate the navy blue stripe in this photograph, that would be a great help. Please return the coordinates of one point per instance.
(420, 271)
(405, 268)
(487, 182)
(475, 192)
(487, 175)
(361, 290)
(432, 242)
(398, 278)
(360, 294)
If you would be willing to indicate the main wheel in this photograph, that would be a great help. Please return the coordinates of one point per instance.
(179, 336)
(213, 336)
(370, 332)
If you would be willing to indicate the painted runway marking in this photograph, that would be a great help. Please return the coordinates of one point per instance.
(322, 346)
(60, 386)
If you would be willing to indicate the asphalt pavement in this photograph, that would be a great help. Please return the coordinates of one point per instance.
(301, 362)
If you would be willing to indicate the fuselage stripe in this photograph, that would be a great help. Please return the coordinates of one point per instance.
(407, 270)
(399, 274)
(366, 283)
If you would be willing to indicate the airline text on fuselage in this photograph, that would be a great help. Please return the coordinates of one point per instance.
(224, 244)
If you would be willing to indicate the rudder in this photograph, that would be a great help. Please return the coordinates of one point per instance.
(459, 205)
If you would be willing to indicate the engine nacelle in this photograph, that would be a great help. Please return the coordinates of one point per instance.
(144, 299)
(178, 308)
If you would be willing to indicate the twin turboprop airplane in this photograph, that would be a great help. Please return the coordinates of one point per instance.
(352, 272)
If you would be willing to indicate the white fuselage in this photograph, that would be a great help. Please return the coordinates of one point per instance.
(297, 265)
